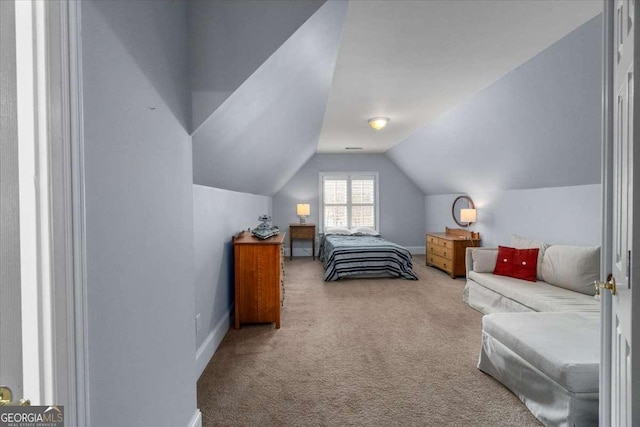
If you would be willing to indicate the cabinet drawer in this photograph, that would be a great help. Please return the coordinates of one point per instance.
(302, 232)
(440, 262)
(282, 291)
(442, 251)
(432, 240)
(445, 243)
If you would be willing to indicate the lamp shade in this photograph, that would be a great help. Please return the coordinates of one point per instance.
(303, 209)
(468, 215)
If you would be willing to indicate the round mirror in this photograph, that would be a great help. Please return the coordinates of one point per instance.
(461, 202)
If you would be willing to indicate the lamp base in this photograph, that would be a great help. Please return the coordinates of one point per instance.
(302, 220)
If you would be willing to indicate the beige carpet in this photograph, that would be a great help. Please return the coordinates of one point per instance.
(371, 352)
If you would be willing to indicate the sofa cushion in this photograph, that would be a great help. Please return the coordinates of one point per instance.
(538, 296)
(520, 242)
(484, 261)
(504, 262)
(487, 301)
(525, 263)
(564, 346)
(572, 267)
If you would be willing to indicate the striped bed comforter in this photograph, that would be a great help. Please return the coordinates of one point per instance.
(345, 256)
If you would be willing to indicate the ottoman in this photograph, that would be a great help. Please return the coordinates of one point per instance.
(549, 360)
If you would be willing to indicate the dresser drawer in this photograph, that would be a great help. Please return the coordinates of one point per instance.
(440, 262)
(442, 251)
(302, 232)
(432, 240)
(445, 243)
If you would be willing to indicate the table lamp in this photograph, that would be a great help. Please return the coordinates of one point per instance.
(303, 210)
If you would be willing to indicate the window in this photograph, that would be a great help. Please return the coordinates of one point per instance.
(349, 199)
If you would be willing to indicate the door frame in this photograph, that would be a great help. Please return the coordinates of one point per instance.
(73, 212)
(56, 43)
(608, 15)
(74, 165)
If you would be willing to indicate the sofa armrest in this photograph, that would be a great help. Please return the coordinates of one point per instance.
(469, 257)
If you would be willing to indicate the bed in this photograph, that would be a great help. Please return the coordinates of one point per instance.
(363, 255)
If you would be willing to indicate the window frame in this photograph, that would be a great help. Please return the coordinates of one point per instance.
(349, 176)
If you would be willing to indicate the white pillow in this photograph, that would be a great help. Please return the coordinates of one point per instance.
(484, 260)
(572, 267)
(365, 231)
(337, 230)
(520, 242)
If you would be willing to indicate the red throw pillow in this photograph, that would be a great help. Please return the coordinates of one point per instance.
(504, 262)
(525, 264)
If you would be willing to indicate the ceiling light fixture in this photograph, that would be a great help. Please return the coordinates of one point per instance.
(378, 123)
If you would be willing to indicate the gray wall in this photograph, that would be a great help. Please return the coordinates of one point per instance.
(139, 214)
(270, 126)
(537, 127)
(401, 201)
(229, 40)
(217, 215)
(559, 215)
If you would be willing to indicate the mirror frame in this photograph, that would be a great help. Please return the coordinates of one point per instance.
(453, 209)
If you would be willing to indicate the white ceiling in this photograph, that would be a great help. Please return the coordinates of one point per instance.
(412, 61)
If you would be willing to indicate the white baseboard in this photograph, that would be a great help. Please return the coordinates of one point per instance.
(196, 420)
(417, 250)
(210, 345)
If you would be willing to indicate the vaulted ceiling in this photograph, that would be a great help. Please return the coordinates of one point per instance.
(259, 137)
(275, 82)
(412, 61)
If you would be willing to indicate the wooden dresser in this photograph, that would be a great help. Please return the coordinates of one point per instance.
(446, 251)
(259, 278)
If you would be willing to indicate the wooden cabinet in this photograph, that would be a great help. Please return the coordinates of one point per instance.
(259, 279)
(302, 232)
(446, 251)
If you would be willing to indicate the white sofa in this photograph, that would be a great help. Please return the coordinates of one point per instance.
(565, 281)
(540, 339)
(549, 360)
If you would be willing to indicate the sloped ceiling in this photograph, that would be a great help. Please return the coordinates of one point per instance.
(229, 40)
(538, 126)
(269, 127)
(427, 65)
(412, 61)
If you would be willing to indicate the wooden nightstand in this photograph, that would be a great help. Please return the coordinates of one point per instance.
(302, 232)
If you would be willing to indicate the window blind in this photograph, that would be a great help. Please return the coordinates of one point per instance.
(349, 200)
